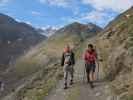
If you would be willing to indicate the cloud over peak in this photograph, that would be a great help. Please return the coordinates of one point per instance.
(35, 13)
(115, 5)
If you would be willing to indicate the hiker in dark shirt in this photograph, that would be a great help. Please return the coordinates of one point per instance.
(68, 61)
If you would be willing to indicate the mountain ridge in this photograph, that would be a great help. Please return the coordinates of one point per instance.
(44, 56)
(15, 39)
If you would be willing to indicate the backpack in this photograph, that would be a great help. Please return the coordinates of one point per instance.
(67, 58)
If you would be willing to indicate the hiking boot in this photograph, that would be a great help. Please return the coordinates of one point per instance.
(71, 82)
(91, 85)
(65, 86)
(88, 81)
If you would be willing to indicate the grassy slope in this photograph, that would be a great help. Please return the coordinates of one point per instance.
(115, 46)
(41, 64)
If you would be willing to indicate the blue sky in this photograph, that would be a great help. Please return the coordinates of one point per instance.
(56, 13)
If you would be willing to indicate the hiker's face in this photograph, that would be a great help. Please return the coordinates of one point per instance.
(67, 48)
(89, 48)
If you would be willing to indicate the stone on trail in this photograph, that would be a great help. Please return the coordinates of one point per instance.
(112, 98)
(98, 94)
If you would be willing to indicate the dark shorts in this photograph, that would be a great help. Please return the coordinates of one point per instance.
(90, 67)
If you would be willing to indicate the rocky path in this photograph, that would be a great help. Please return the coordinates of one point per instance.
(80, 90)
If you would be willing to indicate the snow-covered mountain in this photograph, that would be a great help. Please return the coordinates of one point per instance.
(47, 31)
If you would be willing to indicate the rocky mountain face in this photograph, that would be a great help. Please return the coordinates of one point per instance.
(41, 65)
(115, 45)
(85, 30)
(15, 39)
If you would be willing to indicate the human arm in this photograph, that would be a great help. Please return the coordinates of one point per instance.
(62, 60)
(73, 58)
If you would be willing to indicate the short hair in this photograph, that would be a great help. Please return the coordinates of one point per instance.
(90, 45)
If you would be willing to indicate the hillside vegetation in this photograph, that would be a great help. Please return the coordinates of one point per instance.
(115, 45)
(16, 38)
(39, 69)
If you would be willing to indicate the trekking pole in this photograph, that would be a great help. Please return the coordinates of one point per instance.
(97, 64)
(84, 75)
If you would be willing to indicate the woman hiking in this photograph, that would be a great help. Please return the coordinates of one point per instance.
(68, 61)
(90, 57)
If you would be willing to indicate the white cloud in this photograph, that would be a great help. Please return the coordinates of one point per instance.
(75, 11)
(60, 3)
(94, 15)
(98, 17)
(3, 2)
(115, 5)
(36, 13)
(69, 19)
(70, 4)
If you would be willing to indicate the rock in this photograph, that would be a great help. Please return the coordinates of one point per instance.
(107, 87)
(111, 98)
(98, 94)
(122, 96)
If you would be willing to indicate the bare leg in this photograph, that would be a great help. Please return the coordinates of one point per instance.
(93, 76)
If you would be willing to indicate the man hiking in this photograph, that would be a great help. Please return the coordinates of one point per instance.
(90, 57)
(68, 61)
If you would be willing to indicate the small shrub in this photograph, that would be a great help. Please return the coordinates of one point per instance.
(130, 97)
(130, 51)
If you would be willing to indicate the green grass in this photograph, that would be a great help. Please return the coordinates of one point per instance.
(38, 93)
(41, 85)
(54, 45)
(130, 97)
(126, 97)
(130, 35)
(33, 62)
(26, 67)
(79, 51)
(131, 51)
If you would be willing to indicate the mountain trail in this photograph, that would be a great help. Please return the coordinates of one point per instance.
(80, 90)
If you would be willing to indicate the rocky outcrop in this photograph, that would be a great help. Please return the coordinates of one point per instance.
(116, 47)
